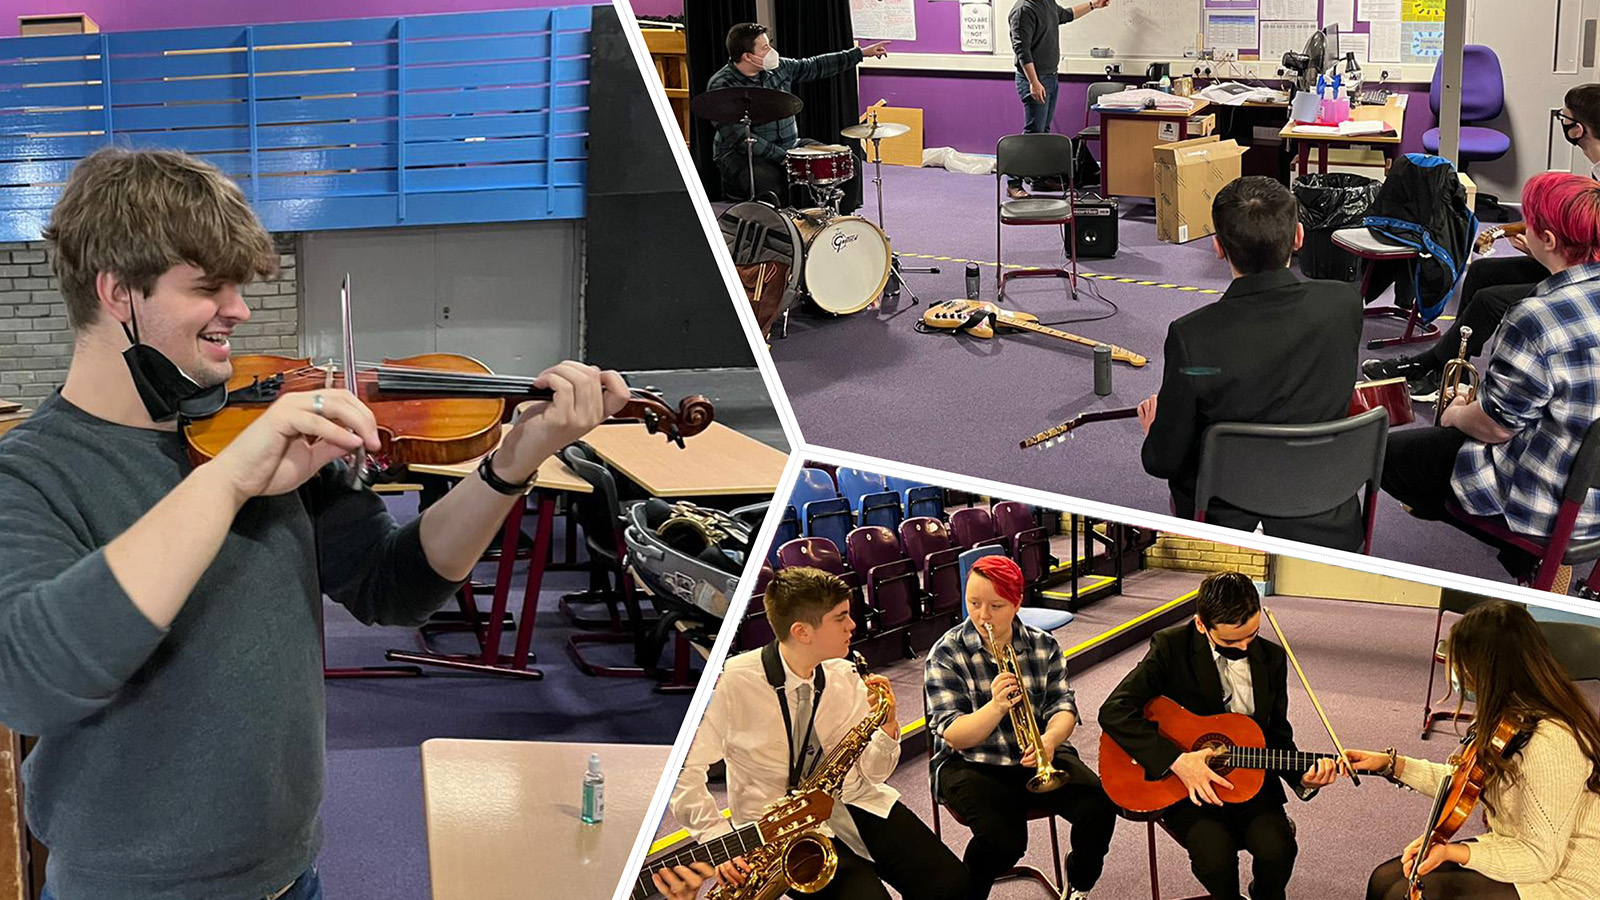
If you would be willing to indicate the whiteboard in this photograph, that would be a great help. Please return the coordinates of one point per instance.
(1131, 28)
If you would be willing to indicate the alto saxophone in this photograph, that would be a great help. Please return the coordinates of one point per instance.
(806, 861)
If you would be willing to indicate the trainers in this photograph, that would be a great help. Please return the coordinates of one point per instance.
(1424, 388)
(1400, 367)
(1075, 894)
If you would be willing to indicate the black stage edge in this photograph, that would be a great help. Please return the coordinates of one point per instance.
(655, 298)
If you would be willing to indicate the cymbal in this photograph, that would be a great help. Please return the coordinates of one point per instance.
(729, 105)
(883, 130)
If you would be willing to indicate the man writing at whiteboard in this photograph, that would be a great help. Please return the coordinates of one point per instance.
(1036, 39)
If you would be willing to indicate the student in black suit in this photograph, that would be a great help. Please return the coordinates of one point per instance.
(1273, 350)
(1213, 666)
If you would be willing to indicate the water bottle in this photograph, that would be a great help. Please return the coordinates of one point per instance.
(972, 282)
(594, 792)
(1102, 369)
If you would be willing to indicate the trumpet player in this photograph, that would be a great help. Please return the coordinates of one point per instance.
(775, 713)
(984, 761)
(1507, 453)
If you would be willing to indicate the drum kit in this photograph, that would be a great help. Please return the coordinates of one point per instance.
(841, 263)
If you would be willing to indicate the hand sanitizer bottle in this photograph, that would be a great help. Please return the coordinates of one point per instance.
(594, 792)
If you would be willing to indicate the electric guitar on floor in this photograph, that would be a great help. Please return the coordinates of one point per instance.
(1244, 759)
(980, 318)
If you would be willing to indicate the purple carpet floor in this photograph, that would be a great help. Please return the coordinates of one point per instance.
(870, 383)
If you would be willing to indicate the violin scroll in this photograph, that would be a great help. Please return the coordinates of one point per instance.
(693, 415)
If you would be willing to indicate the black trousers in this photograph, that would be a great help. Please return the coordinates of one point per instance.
(1416, 471)
(994, 801)
(1342, 528)
(1448, 882)
(773, 178)
(905, 854)
(1491, 287)
(1214, 835)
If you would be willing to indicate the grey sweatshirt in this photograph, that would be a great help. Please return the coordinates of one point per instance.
(1036, 34)
(185, 762)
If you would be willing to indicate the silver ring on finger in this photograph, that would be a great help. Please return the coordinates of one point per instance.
(317, 404)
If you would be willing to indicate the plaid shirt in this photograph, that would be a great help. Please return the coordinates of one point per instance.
(1543, 384)
(773, 138)
(956, 682)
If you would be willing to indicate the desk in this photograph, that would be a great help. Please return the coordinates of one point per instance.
(503, 817)
(1127, 167)
(718, 462)
(552, 478)
(1393, 113)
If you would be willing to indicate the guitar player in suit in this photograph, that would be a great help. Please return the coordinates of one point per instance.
(1212, 666)
(1272, 350)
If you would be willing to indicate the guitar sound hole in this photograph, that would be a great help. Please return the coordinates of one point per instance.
(1220, 763)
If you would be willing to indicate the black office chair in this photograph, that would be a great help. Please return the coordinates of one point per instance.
(1034, 156)
(600, 515)
(1290, 471)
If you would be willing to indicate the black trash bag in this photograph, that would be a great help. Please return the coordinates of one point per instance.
(1328, 203)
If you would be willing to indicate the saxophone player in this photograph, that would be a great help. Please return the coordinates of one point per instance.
(981, 767)
(777, 711)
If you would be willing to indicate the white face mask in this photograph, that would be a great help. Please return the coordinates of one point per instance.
(1455, 685)
(771, 60)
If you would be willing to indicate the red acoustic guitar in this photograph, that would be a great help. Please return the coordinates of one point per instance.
(1245, 759)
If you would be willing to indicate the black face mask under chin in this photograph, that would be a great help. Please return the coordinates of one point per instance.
(164, 388)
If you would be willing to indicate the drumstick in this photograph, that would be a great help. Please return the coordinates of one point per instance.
(1354, 779)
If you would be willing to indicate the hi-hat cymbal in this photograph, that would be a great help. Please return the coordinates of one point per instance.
(884, 130)
(729, 105)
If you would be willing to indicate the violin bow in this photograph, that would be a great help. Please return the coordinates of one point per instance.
(359, 464)
(1343, 759)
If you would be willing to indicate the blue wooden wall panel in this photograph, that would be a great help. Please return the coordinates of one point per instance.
(453, 118)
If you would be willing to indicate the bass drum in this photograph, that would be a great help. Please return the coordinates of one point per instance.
(847, 260)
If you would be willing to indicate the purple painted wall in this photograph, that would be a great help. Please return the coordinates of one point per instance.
(971, 111)
(139, 15)
(645, 8)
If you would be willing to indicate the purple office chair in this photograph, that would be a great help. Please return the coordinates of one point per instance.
(888, 578)
(1483, 97)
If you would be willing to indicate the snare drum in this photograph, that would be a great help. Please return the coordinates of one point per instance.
(820, 164)
(840, 262)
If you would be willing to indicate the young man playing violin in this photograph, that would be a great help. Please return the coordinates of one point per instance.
(1213, 666)
(981, 766)
(1541, 795)
(159, 620)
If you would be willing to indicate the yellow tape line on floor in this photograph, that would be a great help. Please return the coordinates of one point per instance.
(682, 834)
(1117, 278)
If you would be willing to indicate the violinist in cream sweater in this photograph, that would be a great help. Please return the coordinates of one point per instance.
(1541, 799)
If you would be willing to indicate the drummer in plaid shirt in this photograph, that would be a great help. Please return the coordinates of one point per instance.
(979, 771)
(1508, 453)
(754, 62)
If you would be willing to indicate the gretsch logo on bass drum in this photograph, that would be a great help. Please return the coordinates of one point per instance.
(842, 240)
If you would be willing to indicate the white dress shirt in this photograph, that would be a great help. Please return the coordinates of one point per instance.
(744, 727)
(1237, 685)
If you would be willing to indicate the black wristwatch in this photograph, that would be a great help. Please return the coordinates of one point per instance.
(486, 472)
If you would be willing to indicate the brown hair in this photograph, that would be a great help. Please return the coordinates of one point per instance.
(742, 39)
(1227, 598)
(802, 594)
(1255, 218)
(138, 213)
(1498, 652)
(1584, 101)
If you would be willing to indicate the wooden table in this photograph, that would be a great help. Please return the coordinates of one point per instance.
(503, 817)
(1392, 113)
(718, 462)
(552, 479)
(1127, 138)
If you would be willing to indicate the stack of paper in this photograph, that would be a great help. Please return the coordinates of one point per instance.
(1145, 98)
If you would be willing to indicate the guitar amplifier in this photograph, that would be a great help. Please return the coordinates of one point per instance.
(1097, 228)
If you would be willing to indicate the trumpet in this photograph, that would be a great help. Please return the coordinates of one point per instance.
(1457, 372)
(1048, 778)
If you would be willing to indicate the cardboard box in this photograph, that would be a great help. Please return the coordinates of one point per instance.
(1472, 189)
(1188, 176)
(1200, 126)
(60, 23)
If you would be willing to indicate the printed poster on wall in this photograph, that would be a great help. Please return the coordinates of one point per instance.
(1421, 43)
(977, 28)
(1422, 11)
(884, 20)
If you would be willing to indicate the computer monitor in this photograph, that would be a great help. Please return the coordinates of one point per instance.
(1331, 53)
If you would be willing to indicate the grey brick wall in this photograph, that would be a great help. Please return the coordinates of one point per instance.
(36, 342)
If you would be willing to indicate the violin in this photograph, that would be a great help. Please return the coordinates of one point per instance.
(433, 409)
(1459, 793)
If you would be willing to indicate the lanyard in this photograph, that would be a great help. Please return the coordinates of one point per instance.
(773, 664)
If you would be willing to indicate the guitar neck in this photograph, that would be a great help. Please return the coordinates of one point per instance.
(1067, 427)
(1273, 760)
(1045, 329)
(715, 852)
